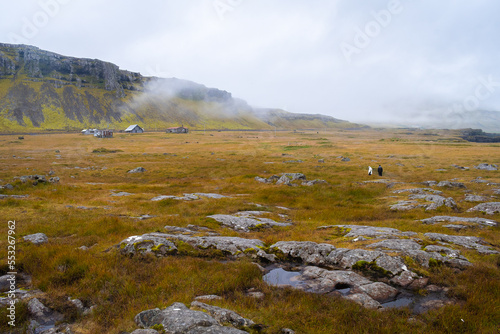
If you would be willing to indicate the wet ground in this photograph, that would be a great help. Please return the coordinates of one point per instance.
(278, 276)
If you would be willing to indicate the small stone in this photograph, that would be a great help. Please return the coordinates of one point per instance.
(364, 300)
(404, 279)
(486, 167)
(419, 283)
(137, 170)
(208, 297)
(37, 238)
(144, 331)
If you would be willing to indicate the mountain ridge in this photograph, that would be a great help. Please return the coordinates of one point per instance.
(43, 90)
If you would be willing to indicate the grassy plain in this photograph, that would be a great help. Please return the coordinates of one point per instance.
(227, 163)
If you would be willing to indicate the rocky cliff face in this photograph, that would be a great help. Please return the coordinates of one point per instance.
(59, 70)
(47, 91)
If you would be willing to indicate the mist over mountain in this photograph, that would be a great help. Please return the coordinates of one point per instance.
(47, 91)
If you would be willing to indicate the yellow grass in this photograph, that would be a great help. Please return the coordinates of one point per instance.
(226, 163)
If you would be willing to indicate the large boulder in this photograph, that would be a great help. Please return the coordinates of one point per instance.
(396, 244)
(305, 251)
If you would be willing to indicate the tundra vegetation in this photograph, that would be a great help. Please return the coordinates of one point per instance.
(80, 210)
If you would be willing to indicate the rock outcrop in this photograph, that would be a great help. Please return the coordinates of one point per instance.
(470, 242)
(486, 167)
(177, 318)
(246, 221)
(452, 219)
(488, 208)
(189, 197)
(289, 179)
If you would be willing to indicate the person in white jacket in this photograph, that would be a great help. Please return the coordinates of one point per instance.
(370, 170)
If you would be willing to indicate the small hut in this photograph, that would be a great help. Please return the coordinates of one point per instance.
(88, 131)
(178, 129)
(134, 129)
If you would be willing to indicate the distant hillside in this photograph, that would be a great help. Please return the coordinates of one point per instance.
(488, 121)
(283, 119)
(41, 90)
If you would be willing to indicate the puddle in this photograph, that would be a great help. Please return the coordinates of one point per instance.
(280, 276)
(43, 328)
(344, 292)
(402, 302)
(417, 304)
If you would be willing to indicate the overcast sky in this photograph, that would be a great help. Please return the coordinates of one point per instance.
(357, 60)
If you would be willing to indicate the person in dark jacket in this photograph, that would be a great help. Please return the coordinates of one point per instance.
(380, 170)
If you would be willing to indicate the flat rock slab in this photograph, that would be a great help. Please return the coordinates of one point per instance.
(396, 244)
(137, 170)
(486, 167)
(313, 182)
(406, 205)
(37, 238)
(436, 201)
(428, 258)
(453, 219)
(476, 198)
(488, 208)
(247, 221)
(327, 280)
(305, 251)
(347, 258)
(470, 242)
(189, 197)
(2, 196)
(191, 230)
(451, 184)
(177, 318)
(355, 231)
(121, 194)
(147, 244)
(289, 178)
(421, 191)
(161, 244)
